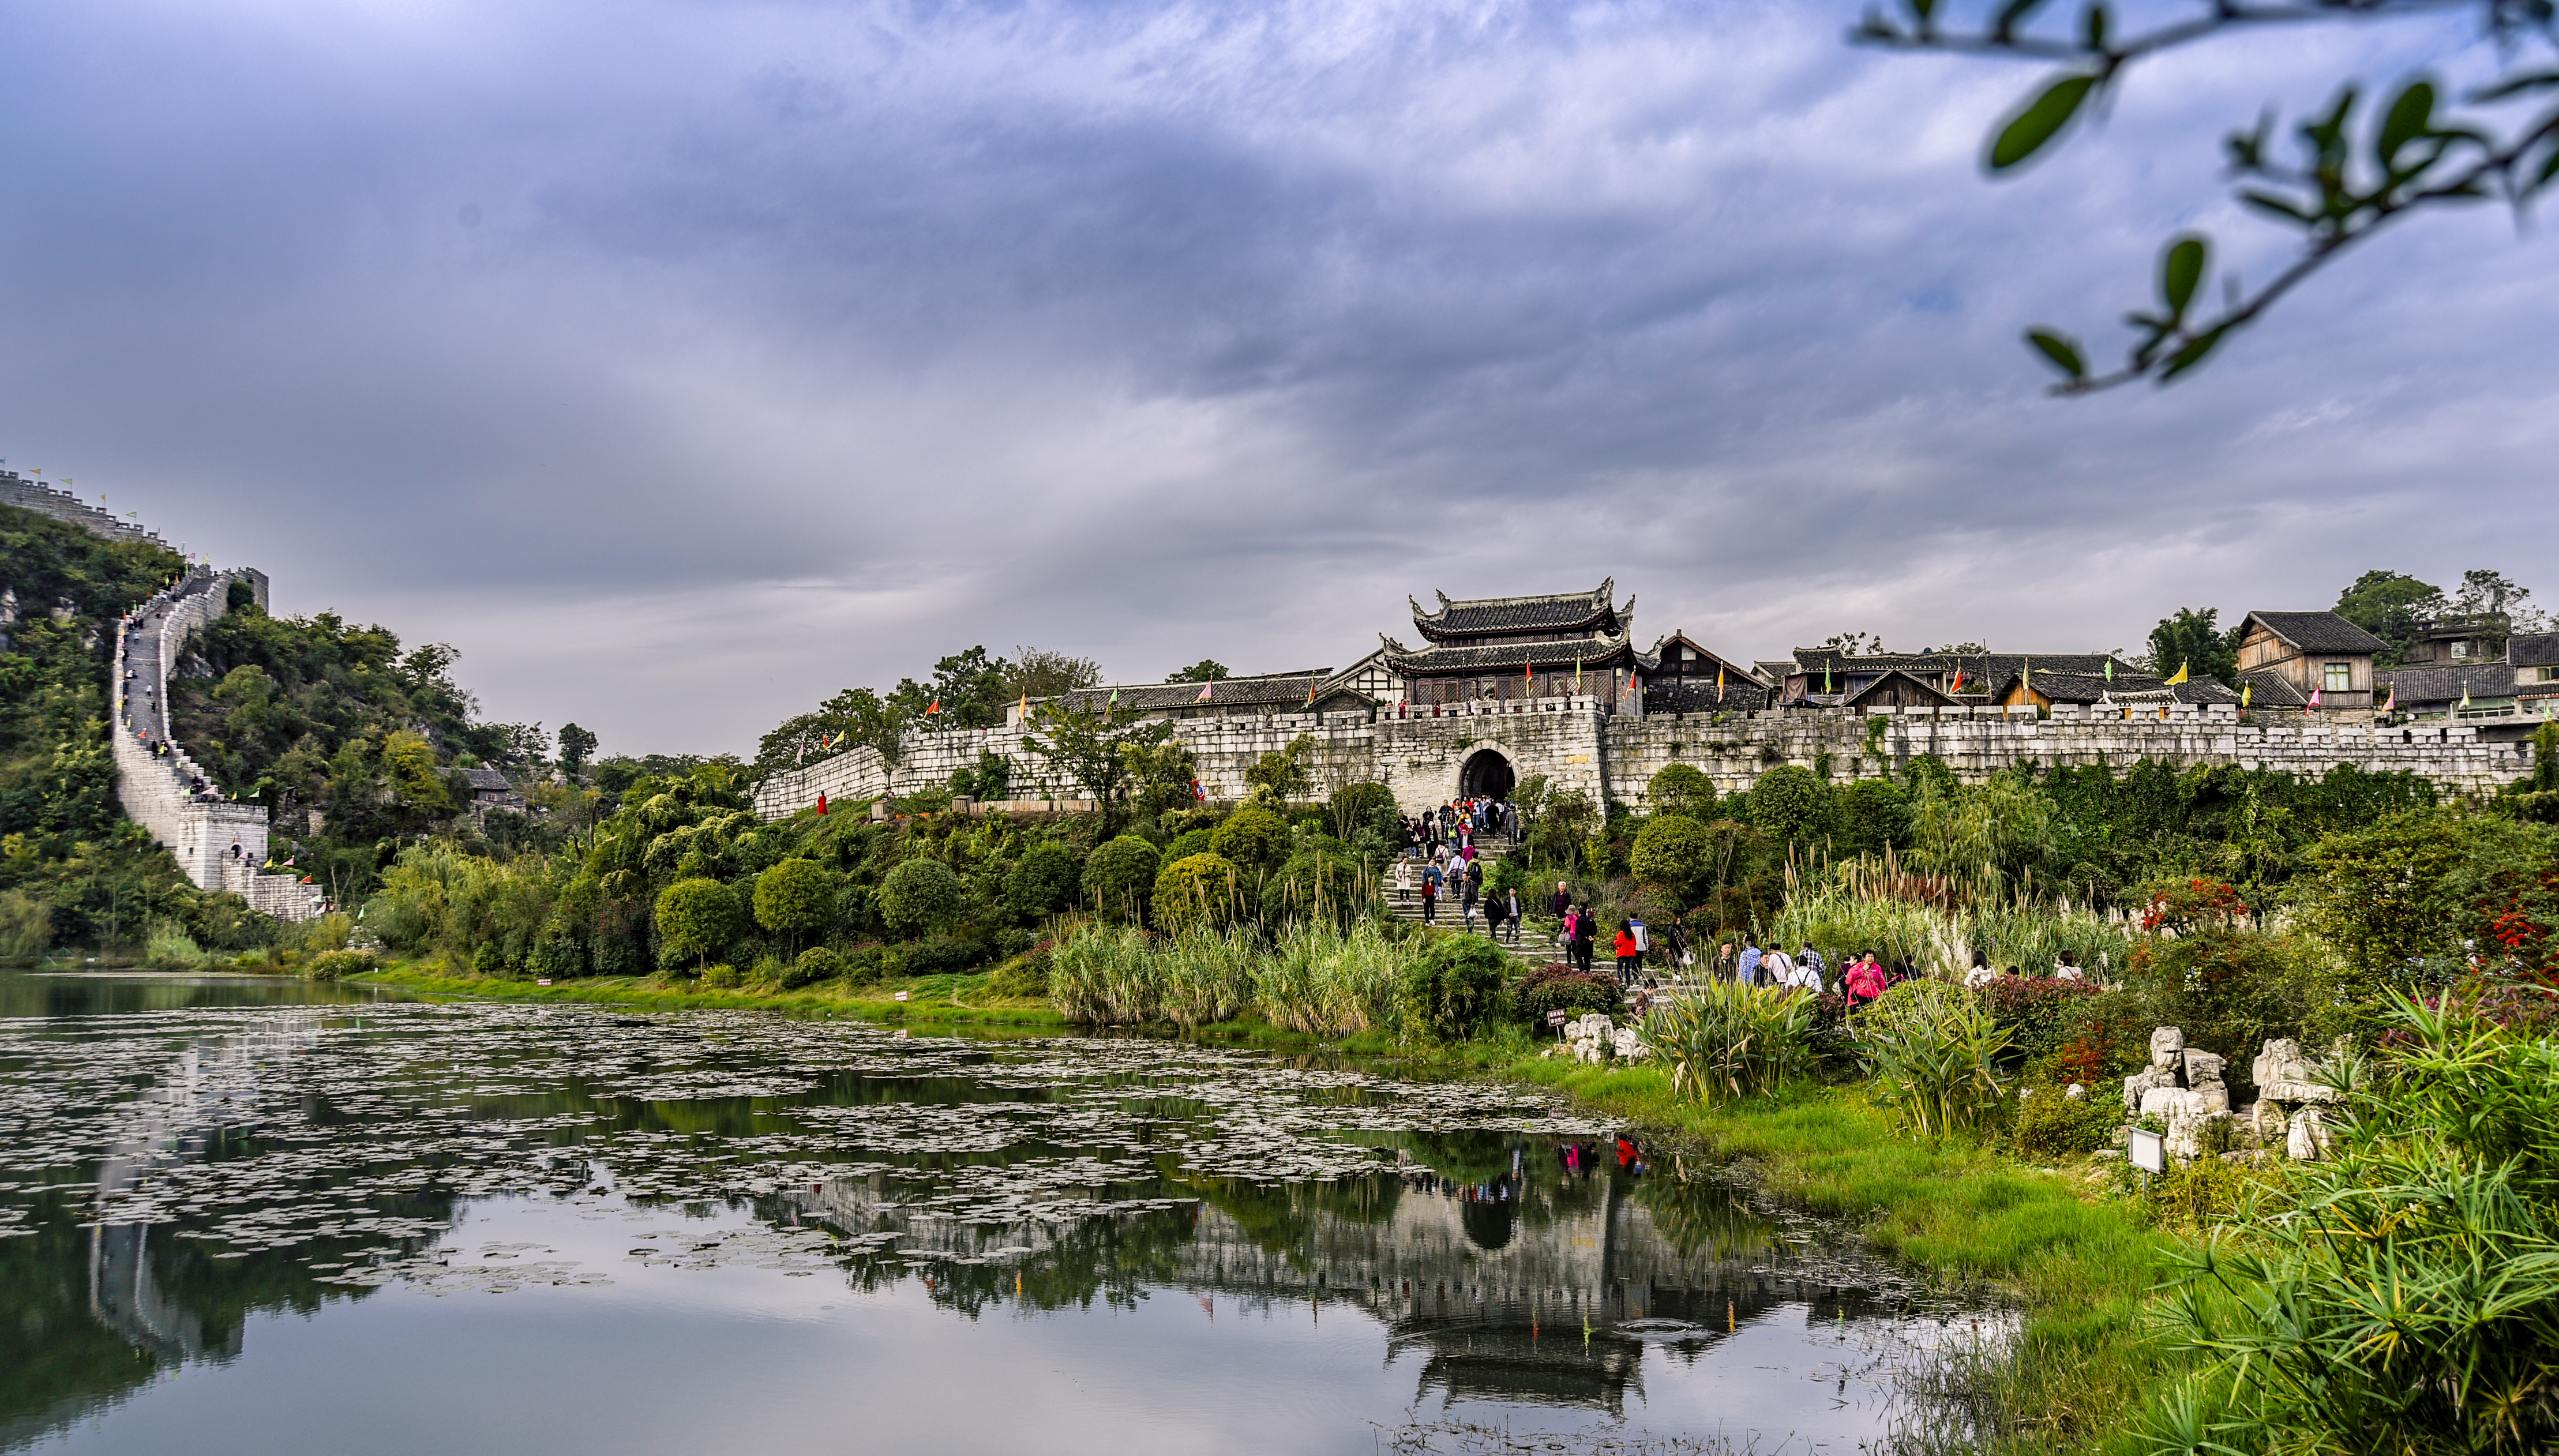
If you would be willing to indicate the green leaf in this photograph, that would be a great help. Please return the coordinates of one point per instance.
(2515, 86)
(2043, 117)
(2410, 116)
(2267, 202)
(2057, 347)
(2012, 15)
(2180, 269)
(1922, 9)
(2193, 354)
(2094, 25)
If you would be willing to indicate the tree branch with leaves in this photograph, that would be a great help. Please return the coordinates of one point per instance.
(2413, 159)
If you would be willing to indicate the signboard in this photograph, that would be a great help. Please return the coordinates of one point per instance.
(901, 995)
(1557, 1018)
(2150, 1152)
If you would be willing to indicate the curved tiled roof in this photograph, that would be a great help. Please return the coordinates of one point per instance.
(1275, 691)
(2317, 632)
(2534, 650)
(2446, 685)
(1595, 652)
(2272, 690)
(1590, 610)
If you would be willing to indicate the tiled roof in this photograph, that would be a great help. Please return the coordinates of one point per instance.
(1589, 610)
(485, 780)
(2416, 685)
(1276, 691)
(1650, 663)
(2272, 690)
(2534, 650)
(1549, 657)
(2318, 632)
(1977, 667)
(1937, 696)
(2203, 690)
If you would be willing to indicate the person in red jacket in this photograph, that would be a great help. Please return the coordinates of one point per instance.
(1864, 981)
(1630, 953)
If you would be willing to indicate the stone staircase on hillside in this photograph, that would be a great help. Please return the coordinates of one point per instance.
(1532, 950)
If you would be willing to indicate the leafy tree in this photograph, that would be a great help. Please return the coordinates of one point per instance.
(1454, 988)
(576, 746)
(2193, 641)
(794, 899)
(696, 918)
(1683, 790)
(1791, 804)
(1206, 670)
(1253, 836)
(1200, 891)
(1357, 807)
(2393, 607)
(1119, 877)
(1282, 776)
(1038, 675)
(2361, 169)
(922, 896)
(1855, 644)
(1873, 814)
(2491, 601)
(1100, 753)
(1672, 853)
(1043, 880)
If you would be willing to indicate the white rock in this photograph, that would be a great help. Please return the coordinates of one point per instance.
(2077, 1092)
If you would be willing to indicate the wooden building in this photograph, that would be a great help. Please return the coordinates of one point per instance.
(1505, 647)
(1681, 676)
(2325, 660)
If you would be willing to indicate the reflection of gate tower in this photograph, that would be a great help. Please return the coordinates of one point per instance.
(1508, 648)
(1491, 1295)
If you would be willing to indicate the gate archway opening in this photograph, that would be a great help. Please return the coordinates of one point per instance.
(1488, 775)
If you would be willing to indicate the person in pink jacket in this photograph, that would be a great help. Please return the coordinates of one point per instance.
(1864, 981)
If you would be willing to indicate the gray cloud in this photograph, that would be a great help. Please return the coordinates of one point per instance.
(794, 345)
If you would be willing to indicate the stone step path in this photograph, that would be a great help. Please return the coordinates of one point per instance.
(1530, 949)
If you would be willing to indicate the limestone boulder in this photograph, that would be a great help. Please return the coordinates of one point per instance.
(2306, 1137)
(2201, 1067)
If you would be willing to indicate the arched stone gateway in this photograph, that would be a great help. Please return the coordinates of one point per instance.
(1488, 774)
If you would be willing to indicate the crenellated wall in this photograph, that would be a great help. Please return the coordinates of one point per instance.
(1575, 743)
(219, 844)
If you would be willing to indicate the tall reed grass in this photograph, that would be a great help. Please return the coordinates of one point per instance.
(1332, 982)
(1106, 975)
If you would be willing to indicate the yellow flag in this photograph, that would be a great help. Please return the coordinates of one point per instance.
(2180, 673)
(2246, 689)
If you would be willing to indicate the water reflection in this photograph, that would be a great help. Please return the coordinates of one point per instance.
(189, 1155)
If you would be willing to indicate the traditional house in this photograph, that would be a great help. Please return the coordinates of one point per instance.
(1897, 689)
(2453, 641)
(1682, 677)
(1826, 677)
(1312, 690)
(2325, 660)
(1506, 648)
(2535, 658)
(2450, 689)
(490, 789)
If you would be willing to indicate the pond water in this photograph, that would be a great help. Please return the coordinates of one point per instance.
(264, 1215)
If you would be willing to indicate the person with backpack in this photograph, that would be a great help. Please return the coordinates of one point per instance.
(1585, 933)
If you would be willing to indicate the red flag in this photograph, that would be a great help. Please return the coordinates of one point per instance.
(821, 800)
(937, 707)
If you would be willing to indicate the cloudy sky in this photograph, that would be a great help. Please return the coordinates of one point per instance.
(682, 363)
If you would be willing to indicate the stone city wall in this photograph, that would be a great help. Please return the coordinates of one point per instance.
(155, 790)
(15, 489)
(1577, 745)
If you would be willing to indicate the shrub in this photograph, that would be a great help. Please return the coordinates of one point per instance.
(487, 961)
(1252, 837)
(1190, 842)
(1683, 789)
(1558, 986)
(1672, 852)
(867, 965)
(769, 970)
(2035, 1012)
(558, 952)
(1026, 976)
(1932, 1049)
(1790, 804)
(794, 899)
(1202, 892)
(817, 963)
(1453, 986)
(1319, 884)
(25, 925)
(921, 896)
(947, 955)
(2050, 1126)
(696, 919)
(720, 977)
(330, 965)
(1119, 878)
(1043, 880)
(1724, 1039)
(170, 945)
